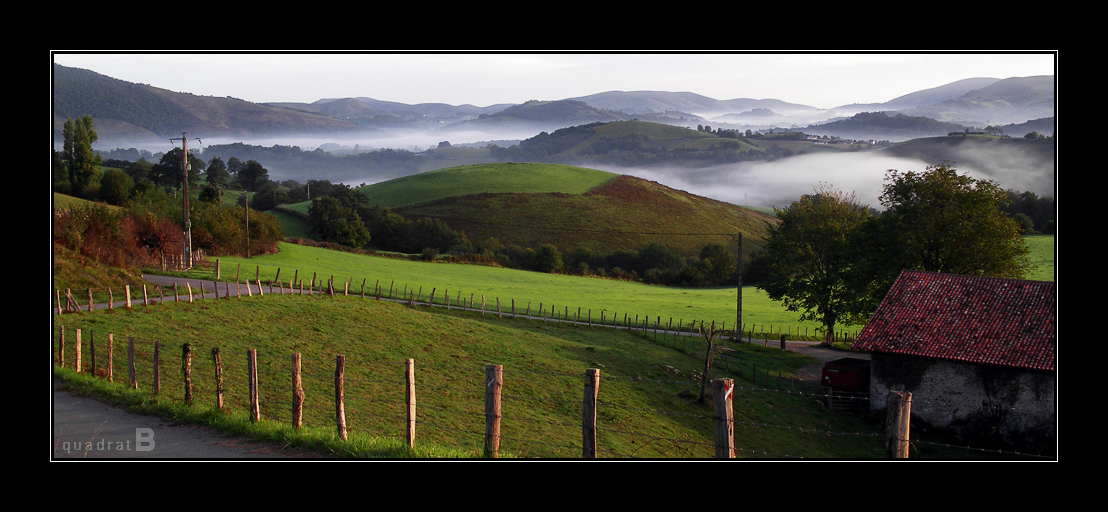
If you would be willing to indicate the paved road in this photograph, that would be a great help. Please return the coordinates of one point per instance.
(85, 428)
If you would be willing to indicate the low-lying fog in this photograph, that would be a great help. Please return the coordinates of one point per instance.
(765, 184)
(780, 182)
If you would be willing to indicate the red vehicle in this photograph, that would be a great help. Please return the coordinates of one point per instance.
(847, 374)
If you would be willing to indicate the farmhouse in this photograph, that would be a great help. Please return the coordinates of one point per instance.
(977, 353)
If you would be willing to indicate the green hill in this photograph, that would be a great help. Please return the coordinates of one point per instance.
(486, 178)
(530, 204)
(625, 213)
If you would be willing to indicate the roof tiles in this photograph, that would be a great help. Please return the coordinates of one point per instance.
(965, 318)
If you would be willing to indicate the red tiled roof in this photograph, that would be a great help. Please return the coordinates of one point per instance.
(965, 318)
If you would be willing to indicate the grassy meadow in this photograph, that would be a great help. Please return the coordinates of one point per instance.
(648, 389)
(535, 290)
(606, 296)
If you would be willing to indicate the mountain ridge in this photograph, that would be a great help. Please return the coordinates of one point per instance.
(122, 108)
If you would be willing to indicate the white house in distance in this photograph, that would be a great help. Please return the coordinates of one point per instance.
(977, 353)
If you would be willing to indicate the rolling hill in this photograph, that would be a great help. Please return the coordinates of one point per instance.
(514, 178)
(621, 214)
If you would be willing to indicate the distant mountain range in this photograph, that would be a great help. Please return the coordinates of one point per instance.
(125, 112)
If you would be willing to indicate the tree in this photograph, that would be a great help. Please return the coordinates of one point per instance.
(216, 173)
(115, 187)
(809, 255)
(330, 221)
(82, 162)
(718, 265)
(252, 176)
(548, 259)
(943, 221)
(167, 172)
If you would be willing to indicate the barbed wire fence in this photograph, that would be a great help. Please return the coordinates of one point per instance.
(522, 412)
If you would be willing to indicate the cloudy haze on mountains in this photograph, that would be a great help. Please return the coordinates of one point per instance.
(821, 80)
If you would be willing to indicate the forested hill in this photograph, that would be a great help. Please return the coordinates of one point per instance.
(137, 111)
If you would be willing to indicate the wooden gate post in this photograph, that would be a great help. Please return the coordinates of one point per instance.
(111, 348)
(724, 418)
(186, 371)
(157, 376)
(218, 378)
(297, 393)
(409, 395)
(898, 413)
(494, 381)
(133, 378)
(340, 408)
(252, 383)
(588, 414)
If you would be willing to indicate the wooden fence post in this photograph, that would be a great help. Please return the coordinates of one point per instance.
(111, 348)
(588, 414)
(61, 346)
(127, 288)
(297, 393)
(218, 378)
(898, 413)
(186, 371)
(252, 383)
(133, 378)
(409, 395)
(340, 410)
(724, 418)
(92, 353)
(494, 381)
(77, 349)
(157, 376)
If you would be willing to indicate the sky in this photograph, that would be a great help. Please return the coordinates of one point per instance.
(817, 79)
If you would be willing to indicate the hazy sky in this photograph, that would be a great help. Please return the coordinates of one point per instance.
(818, 79)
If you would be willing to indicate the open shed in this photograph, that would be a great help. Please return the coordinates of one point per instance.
(976, 353)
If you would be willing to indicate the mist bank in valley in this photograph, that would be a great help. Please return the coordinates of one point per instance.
(1014, 163)
(780, 182)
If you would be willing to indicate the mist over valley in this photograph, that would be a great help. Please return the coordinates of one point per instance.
(727, 153)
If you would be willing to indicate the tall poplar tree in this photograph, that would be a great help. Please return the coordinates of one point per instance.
(83, 164)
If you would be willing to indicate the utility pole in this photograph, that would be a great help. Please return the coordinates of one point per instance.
(185, 200)
(246, 213)
(739, 300)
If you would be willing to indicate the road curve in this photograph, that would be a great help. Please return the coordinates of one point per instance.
(86, 428)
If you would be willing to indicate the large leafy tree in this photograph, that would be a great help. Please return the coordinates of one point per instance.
(167, 172)
(82, 162)
(811, 259)
(252, 176)
(331, 221)
(941, 220)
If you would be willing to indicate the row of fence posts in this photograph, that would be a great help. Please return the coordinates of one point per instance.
(412, 298)
(897, 422)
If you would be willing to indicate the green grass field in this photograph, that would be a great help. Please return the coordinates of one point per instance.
(648, 389)
(535, 290)
(1043, 249)
(605, 296)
